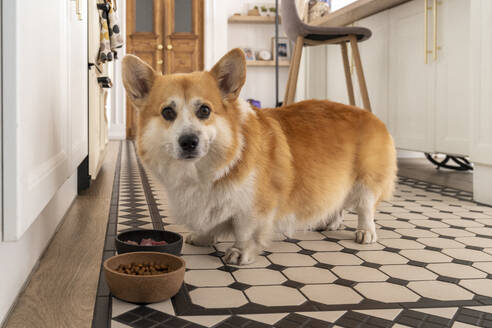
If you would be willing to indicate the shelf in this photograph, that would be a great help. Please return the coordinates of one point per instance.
(281, 63)
(243, 19)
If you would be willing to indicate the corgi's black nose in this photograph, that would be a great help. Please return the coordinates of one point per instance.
(188, 142)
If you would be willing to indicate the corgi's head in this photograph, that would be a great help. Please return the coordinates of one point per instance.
(185, 116)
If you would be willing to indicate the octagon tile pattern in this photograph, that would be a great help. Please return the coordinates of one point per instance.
(431, 266)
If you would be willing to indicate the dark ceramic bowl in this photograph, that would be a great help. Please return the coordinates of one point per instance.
(144, 289)
(173, 246)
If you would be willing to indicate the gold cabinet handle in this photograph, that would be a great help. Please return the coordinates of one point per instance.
(169, 47)
(160, 47)
(426, 30)
(435, 47)
(77, 10)
(160, 62)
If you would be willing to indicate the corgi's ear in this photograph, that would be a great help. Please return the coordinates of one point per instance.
(230, 73)
(138, 79)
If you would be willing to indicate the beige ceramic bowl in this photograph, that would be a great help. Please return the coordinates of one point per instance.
(144, 289)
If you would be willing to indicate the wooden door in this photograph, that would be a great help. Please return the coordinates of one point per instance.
(411, 81)
(168, 35)
(183, 36)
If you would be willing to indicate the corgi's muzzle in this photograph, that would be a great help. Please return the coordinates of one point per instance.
(188, 144)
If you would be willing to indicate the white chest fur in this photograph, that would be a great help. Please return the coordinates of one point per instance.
(199, 203)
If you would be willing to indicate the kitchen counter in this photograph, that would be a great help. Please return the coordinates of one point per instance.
(355, 11)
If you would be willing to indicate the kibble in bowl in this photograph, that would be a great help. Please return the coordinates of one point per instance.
(143, 269)
(144, 277)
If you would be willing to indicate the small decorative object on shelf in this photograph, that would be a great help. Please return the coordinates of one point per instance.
(264, 55)
(318, 9)
(255, 103)
(248, 52)
(263, 10)
(255, 11)
(283, 48)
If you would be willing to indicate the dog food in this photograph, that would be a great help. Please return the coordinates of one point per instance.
(147, 242)
(143, 269)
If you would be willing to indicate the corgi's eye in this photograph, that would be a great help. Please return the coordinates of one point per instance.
(168, 113)
(203, 112)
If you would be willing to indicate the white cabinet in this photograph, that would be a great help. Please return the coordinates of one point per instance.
(98, 97)
(425, 105)
(452, 103)
(78, 81)
(480, 102)
(44, 135)
(411, 80)
(428, 101)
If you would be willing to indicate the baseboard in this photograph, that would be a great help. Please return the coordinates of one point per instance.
(401, 153)
(117, 132)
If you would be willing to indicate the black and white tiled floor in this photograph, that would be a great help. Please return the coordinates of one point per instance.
(431, 267)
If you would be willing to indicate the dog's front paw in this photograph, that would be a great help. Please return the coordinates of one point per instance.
(366, 236)
(197, 239)
(238, 257)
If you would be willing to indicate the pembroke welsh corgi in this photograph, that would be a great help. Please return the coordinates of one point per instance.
(231, 168)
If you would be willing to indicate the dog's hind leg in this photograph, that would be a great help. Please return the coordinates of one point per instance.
(336, 222)
(366, 208)
(251, 238)
(333, 222)
(210, 237)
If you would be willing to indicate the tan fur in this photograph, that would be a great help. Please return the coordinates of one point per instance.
(304, 162)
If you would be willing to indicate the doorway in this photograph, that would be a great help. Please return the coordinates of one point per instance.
(167, 35)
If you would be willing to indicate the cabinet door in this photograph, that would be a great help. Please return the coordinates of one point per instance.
(36, 109)
(411, 81)
(481, 84)
(452, 78)
(78, 97)
(374, 56)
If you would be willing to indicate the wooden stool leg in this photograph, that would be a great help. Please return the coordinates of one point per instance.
(295, 62)
(360, 73)
(348, 76)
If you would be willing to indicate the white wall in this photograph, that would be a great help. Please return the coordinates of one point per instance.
(221, 37)
(1, 134)
(24, 253)
(215, 28)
